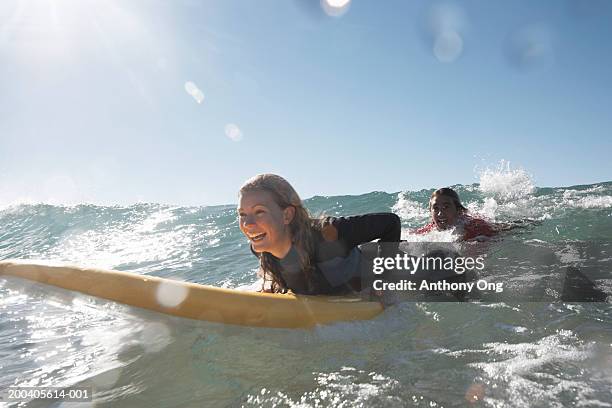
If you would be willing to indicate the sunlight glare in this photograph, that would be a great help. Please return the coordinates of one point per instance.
(335, 8)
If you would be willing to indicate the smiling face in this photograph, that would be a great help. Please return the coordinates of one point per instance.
(444, 212)
(265, 223)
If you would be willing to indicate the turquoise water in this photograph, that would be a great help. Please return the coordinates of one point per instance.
(416, 354)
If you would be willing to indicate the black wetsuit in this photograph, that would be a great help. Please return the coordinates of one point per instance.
(339, 262)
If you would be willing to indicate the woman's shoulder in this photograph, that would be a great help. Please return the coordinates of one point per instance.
(475, 226)
(473, 219)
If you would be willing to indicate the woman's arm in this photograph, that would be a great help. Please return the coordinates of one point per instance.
(424, 229)
(359, 229)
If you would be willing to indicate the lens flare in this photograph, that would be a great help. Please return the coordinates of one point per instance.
(193, 90)
(233, 132)
(448, 46)
(170, 294)
(155, 337)
(444, 31)
(530, 48)
(335, 8)
(475, 393)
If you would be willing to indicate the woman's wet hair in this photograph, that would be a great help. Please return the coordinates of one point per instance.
(449, 192)
(301, 227)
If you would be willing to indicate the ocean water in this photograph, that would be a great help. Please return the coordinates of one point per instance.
(543, 353)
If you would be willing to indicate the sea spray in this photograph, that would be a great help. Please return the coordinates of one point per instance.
(505, 183)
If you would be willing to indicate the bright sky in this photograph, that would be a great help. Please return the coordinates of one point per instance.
(112, 101)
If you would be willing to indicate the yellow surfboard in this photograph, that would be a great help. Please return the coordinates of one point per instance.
(196, 301)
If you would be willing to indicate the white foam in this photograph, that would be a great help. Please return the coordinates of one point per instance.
(333, 389)
(515, 363)
(591, 202)
(487, 209)
(506, 183)
(249, 287)
(449, 235)
(409, 210)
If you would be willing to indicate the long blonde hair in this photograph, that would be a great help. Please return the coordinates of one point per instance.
(301, 227)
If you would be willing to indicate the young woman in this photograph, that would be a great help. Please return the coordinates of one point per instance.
(297, 252)
(448, 212)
